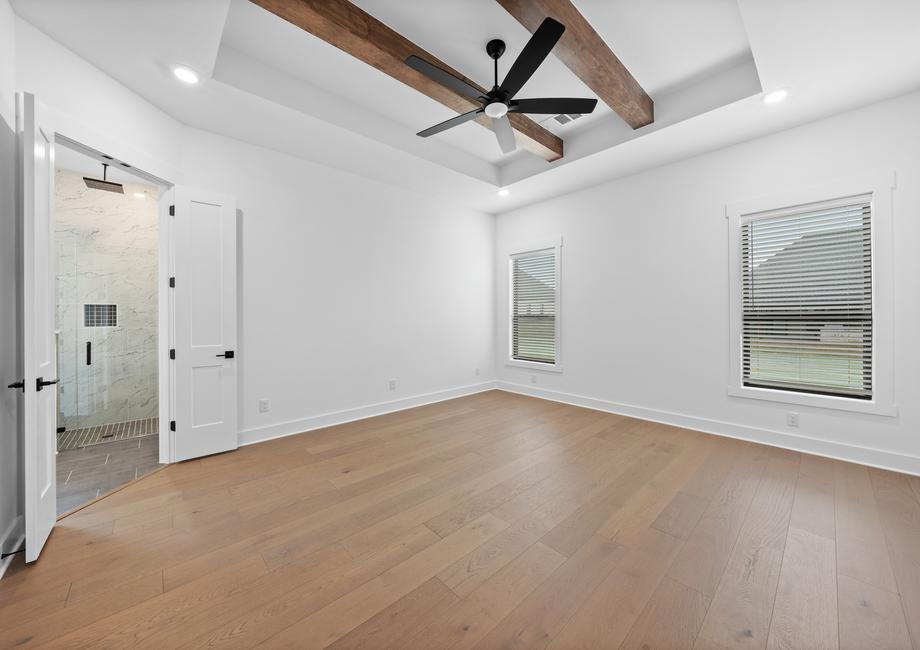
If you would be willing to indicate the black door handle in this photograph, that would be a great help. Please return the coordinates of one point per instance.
(228, 354)
(41, 383)
(18, 384)
(89, 353)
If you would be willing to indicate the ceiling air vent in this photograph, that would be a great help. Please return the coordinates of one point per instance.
(565, 118)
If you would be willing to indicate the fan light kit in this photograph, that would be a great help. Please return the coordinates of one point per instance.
(496, 110)
(498, 102)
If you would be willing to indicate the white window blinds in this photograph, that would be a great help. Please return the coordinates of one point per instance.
(533, 306)
(807, 300)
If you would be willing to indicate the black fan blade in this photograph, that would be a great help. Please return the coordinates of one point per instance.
(504, 133)
(554, 106)
(452, 122)
(444, 78)
(537, 48)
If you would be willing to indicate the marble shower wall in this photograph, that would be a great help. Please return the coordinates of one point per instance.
(106, 254)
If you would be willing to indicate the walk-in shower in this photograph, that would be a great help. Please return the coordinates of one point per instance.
(107, 257)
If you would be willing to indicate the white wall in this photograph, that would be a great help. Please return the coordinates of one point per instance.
(346, 283)
(645, 285)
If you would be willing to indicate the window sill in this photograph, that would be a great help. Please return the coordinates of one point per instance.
(534, 365)
(817, 401)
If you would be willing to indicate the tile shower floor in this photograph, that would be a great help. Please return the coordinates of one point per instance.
(86, 473)
(75, 438)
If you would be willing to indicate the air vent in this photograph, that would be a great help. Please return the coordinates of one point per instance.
(100, 315)
(565, 118)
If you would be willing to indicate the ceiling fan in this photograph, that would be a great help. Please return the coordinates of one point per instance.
(499, 101)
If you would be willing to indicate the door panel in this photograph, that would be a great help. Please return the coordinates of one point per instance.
(204, 263)
(40, 399)
(206, 267)
(206, 392)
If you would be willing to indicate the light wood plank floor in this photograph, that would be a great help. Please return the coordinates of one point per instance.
(491, 521)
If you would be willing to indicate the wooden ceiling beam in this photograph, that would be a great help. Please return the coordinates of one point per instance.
(588, 56)
(353, 30)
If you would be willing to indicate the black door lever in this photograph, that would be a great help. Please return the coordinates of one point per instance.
(228, 354)
(41, 383)
(18, 384)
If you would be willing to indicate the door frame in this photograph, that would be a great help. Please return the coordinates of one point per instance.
(165, 397)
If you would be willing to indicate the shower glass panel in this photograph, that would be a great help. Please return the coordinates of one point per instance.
(107, 256)
(107, 335)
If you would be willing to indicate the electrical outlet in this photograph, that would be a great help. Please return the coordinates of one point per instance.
(792, 419)
(477, 372)
(392, 384)
(264, 406)
(533, 379)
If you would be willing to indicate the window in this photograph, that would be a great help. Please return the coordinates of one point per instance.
(534, 308)
(806, 284)
(811, 295)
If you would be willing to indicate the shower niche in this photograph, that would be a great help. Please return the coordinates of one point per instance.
(107, 256)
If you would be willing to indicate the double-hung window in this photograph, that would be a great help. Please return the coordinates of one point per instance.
(812, 296)
(806, 283)
(535, 308)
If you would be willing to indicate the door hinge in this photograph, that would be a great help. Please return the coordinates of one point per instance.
(172, 353)
(172, 425)
(172, 282)
(172, 211)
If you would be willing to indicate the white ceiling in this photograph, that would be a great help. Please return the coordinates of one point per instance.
(701, 37)
(669, 43)
(703, 61)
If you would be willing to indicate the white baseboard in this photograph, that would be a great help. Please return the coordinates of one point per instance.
(12, 540)
(827, 448)
(293, 427)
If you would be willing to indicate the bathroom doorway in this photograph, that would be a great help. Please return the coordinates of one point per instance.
(107, 248)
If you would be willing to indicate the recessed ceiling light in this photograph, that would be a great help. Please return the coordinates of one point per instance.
(504, 193)
(185, 75)
(775, 96)
(140, 195)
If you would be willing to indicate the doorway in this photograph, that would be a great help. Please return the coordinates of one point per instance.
(106, 326)
(195, 328)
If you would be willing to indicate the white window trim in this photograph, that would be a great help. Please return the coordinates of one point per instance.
(880, 186)
(556, 246)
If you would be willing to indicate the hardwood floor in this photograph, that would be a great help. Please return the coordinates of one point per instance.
(490, 521)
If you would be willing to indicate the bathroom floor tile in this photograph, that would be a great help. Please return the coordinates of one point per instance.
(88, 472)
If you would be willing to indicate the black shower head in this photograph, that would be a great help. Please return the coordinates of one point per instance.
(106, 185)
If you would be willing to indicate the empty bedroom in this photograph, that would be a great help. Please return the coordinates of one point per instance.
(435, 324)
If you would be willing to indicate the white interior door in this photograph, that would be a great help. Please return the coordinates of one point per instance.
(40, 395)
(204, 323)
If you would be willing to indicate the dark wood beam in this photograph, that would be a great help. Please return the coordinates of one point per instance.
(353, 30)
(587, 55)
